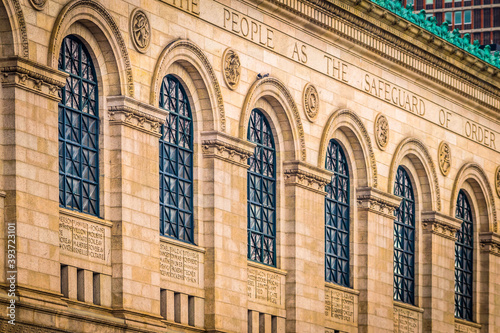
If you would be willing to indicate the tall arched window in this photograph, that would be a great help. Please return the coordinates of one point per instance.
(176, 163)
(463, 259)
(261, 192)
(78, 130)
(337, 217)
(404, 240)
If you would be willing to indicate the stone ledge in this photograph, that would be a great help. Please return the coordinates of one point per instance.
(132, 113)
(31, 76)
(227, 148)
(377, 201)
(307, 176)
(441, 224)
(490, 242)
(86, 217)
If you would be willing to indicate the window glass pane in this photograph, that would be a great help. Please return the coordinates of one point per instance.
(404, 240)
(464, 247)
(429, 2)
(458, 18)
(337, 217)
(467, 17)
(261, 182)
(78, 130)
(447, 17)
(176, 163)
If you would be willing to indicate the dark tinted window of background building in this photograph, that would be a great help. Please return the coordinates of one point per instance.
(496, 17)
(477, 18)
(496, 37)
(487, 18)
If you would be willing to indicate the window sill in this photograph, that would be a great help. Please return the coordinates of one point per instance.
(341, 288)
(468, 323)
(408, 306)
(179, 243)
(85, 217)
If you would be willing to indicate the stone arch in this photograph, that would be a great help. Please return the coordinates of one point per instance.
(475, 177)
(419, 156)
(191, 57)
(352, 127)
(14, 34)
(276, 93)
(97, 19)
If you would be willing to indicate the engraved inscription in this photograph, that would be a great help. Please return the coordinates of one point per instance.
(459, 328)
(405, 321)
(339, 305)
(82, 238)
(249, 28)
(179, 264)
(395, 95)
(336, 68)
(264, 286)
(190, 6)
(480, 134)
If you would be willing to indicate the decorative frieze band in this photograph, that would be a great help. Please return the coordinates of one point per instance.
(307, 176)
(490, 243)
(31, 76)
(377, 201)
(440, 224)
(225, 147)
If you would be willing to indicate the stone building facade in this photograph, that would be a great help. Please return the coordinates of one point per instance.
(244, 166)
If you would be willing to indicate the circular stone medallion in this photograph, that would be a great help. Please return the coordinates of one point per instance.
(497, 181)
(381, 131)
(38, 4)
(232, 68)
(140, 30)
(311, 102)
(444, 158)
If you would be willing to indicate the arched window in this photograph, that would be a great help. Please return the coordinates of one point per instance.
(78, 130)
(176, 163)
(404, 240)
(261, 192)
(337, 217)
(463, 259)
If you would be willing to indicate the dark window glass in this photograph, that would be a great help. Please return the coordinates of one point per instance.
(464, 260)
(78, 130)
(176, 163)
(487, 18)
(261, 192)
(337, 217)
(404, 240)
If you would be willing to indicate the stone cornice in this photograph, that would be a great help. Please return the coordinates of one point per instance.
(440, 224)
(377, 201)
(490, 242)
(126, 111)
(402, 42)
(306, 176)
(31, 76)
(227, 148)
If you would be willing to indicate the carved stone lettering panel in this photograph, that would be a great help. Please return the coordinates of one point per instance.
(460, 328)
(406, 321)
(340, 305)
(264, 286)
(180, 264)
(84, 238)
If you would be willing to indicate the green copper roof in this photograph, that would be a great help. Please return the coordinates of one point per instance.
(441, 31)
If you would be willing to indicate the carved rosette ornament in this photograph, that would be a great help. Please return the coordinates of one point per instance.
(444, 158)
(140, 30)
(232, 68)
(311, 102)
(38, 4)
(497, 180)
(381, 131)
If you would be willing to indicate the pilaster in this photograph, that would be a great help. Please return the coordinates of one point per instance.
(489, 283)
(225, 224)
(29, 170)
(135, 241)
(304, 249)
(438, 271)
(375, 270)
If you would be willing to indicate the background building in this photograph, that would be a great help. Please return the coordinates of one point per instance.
(244, 166)
(479, 18)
